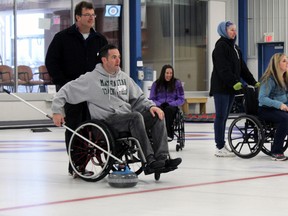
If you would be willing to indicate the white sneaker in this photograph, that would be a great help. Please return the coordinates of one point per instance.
(169, 139)
(224, 153)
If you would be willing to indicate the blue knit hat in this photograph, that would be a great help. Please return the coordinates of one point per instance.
(222, 28)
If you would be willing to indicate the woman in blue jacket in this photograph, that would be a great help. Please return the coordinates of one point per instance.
(273, 101)
(167, 93)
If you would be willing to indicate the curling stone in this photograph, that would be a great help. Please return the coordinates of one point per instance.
(122, 178)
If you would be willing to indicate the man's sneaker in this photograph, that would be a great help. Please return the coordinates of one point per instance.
(168, 161)
(278, 157)
(170, 164)
(173, 162)
(223, 153)
(153, 163)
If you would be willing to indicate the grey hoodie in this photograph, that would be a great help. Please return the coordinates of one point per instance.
(106, 94)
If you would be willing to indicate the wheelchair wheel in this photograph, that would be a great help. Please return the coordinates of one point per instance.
(245, 136)
(179, 127)
(129, 152)
(87, 161)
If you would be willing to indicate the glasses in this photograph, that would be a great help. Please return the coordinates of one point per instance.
(89, 15)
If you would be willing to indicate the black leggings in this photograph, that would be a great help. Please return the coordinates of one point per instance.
(170, 114)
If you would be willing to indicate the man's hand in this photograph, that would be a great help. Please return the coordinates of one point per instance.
(58, 119)
(157, 110)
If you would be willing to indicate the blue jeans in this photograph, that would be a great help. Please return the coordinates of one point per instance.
(138, 124)
(280, 118)
(223, 104)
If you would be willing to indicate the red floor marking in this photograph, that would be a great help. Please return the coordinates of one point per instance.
(143, 191)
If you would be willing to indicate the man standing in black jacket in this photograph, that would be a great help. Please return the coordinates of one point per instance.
(72, 53)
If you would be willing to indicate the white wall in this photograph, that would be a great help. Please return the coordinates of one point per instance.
(252, 64)
(216, 14)
(12, 109)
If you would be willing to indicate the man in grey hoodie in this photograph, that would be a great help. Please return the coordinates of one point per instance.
(113, 96)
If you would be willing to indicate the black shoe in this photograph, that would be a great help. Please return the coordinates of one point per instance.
(173, 163)
(148, 170)
(166, 169)
(153, 163)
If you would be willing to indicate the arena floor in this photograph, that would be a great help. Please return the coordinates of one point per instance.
(34, 181)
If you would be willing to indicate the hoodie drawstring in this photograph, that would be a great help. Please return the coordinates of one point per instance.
(236, 52)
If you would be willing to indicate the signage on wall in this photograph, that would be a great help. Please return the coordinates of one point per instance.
(268, 36)
(112, 10)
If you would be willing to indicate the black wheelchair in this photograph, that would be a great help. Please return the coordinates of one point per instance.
(248, 134)
(179, 130)
(95, 151)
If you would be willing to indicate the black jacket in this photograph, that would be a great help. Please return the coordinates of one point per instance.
(69, 55)
(228, 67)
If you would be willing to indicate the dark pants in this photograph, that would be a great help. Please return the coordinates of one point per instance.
(280, 118)
(75, 114)
(170, 114)
(138, 124)
(223, 104)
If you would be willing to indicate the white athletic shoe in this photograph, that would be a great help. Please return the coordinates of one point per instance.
(223, 153)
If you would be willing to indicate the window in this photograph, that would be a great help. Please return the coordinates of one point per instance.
(184, 46)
